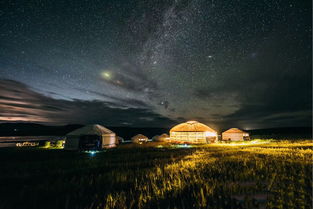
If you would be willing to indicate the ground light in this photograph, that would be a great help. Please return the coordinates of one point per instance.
(91, 152)
(244, 143)
(182, 146)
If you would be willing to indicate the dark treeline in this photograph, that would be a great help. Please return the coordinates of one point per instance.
(31, 129)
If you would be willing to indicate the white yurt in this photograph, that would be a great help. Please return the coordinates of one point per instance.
(235, 134)
(90, 137)
(139, 139)
(161, 138)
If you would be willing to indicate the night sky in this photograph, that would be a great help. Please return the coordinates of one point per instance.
(226, 63)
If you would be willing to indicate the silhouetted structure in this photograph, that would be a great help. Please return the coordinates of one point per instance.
(90, 137)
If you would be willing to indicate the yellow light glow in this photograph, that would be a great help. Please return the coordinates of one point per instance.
(106, 75)
(210, 134)
(246, 143)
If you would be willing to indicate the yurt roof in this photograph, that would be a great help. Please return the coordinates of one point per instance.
(139, 136)
(191, 126)
(93, 129)
(161, 136)
(234, 130)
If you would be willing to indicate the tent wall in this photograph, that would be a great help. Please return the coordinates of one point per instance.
(109, 140)
(71, 143)
(232, 136)
(134, 140)
(190, 137)
(139, 138)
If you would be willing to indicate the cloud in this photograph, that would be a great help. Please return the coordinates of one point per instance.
(264, 99)
(117, 101)
(20, 103)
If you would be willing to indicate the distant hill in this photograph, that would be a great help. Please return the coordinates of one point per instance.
(31, 129)
(282, 133)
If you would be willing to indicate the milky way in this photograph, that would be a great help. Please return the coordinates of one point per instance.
(156, 63)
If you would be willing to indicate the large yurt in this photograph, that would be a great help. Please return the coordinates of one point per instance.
(90, 137)
(139, 139)
(192, 132)
(235, 134)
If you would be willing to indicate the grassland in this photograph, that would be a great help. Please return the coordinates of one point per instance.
(257, 174)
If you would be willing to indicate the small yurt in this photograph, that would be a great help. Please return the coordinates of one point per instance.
(192, 132)
(90, 137)
(161, 138)
(120, 140)
(139, 139)
(235, 134)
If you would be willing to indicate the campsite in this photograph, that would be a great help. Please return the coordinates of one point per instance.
(156, 104)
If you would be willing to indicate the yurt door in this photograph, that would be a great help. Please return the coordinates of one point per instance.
(90, 142)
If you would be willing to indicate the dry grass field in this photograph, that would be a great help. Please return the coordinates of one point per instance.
(255, 174)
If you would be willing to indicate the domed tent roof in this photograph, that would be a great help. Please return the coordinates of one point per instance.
(234, 130)
(94, 129)
(139, 136)
(191, 126)
(160, 138)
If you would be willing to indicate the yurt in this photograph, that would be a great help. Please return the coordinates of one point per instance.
(90, 137)
(139, 139)
(235, 134)
(120, 140)
(192, 132)
(161, 138)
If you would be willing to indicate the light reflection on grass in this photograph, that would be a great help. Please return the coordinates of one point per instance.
(225, 169)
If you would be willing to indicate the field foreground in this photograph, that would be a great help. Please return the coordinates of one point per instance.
(249, 175)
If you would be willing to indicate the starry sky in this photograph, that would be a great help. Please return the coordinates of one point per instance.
(144, 63)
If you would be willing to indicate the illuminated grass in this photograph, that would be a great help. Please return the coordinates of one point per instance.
(254, 174)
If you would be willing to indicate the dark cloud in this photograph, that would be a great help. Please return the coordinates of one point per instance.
(265, 98)
(19, 103)
(215, 93)
(118, 101)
